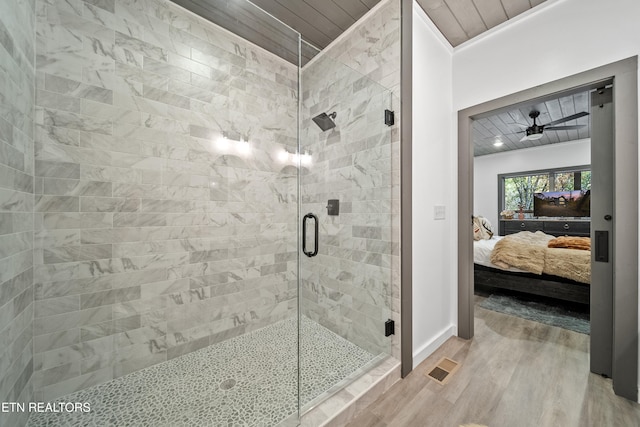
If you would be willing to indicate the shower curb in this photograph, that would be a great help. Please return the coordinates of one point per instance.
(348, 403)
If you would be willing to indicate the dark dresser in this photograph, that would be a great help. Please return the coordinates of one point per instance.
(554, 227)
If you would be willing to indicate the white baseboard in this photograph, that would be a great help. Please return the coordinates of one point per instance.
(427, 349)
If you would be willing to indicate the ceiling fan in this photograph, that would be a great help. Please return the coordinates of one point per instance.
(535, 131)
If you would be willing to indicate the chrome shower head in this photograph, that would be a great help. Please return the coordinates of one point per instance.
(325, 121)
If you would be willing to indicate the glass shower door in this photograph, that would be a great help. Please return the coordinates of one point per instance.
(345, 227)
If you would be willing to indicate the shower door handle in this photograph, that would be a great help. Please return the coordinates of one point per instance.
(304, 235)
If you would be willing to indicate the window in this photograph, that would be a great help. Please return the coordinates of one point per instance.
(517, 189)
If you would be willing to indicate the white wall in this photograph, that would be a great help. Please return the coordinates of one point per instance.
(434, 251)
(487, 168)
(569, 36)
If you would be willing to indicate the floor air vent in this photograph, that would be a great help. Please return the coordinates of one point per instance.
(443, 370)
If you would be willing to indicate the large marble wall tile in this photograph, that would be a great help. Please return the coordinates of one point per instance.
(352, 286)
(165, 217)
(17, 187)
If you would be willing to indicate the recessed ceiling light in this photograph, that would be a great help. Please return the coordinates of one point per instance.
(498, 143)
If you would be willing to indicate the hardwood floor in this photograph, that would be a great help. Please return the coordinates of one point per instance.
(514, 372)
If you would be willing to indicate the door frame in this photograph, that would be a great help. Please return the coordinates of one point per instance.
(625, 234)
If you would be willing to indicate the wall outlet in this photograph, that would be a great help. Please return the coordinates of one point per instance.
(439, 212)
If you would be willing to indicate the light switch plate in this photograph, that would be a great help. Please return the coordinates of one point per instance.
(439, 212)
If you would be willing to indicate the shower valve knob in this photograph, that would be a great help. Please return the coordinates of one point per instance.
(333, 207)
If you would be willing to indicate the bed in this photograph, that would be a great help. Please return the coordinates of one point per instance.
(562, 274)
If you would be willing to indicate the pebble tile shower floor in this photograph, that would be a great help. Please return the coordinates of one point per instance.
(249, 380)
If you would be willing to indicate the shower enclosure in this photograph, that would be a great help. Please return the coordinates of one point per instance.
(204, 251)
(345, 188)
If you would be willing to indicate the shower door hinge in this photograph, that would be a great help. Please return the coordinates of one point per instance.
(389, 328)
(389, 118)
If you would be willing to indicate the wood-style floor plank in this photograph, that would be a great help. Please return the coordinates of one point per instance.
(514, 372)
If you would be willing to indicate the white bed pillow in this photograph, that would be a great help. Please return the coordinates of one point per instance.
(482, 229)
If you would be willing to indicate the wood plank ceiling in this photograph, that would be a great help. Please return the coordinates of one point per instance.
(321, 21)
(318, 21)
(462, 20)
(506, 127)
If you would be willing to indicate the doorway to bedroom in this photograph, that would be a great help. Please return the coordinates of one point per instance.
(532, 186)
(620, 254)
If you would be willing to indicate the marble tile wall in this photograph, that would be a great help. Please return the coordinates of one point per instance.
(165, 193)
(17, 80)
(353, 285)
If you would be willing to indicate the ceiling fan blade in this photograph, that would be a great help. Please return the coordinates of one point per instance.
(566, 119)
(571, 127)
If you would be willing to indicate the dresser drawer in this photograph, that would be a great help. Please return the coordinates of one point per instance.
(567, 228)
(515, 226)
